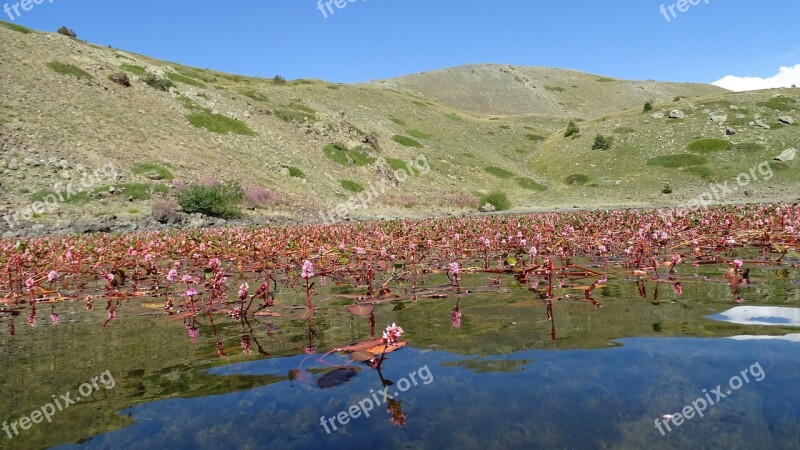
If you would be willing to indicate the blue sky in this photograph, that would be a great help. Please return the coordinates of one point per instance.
(370, 39)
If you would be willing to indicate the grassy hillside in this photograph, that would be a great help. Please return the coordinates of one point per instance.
(304, 145)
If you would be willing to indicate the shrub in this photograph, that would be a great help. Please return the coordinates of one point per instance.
(67, 32)
(279, 80)
(497, 199)
(295, 172)
(576, 178)
(260, 197)
(667, 189)
(572, 129)
(121, 79)
(602, 142)
(406, 141)
(709, 145)
(499, 172)
(157, 83)
(222, 200)
(352, 186)
(69, 69)
(648, 107)
(217, 123)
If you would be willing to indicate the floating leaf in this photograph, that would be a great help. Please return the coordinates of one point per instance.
(362, 356)
(361, 310)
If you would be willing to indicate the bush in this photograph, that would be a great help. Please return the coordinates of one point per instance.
(157, 83)
(648, 107)
(602, 142)
(667, 189)
(222, 200)
(295, 172)
(279, 80)
(572, 129)
(497, 199)
(67, 32)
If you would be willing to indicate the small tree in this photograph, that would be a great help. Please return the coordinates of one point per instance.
(602, 142)
(221, 200)
(279, 80)
(648, 107)
(572, 129)
(67, 32)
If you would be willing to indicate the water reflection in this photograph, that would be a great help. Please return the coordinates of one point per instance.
(760, 315)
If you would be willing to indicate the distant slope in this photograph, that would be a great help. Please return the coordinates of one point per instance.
(509, 90)
(61, 114)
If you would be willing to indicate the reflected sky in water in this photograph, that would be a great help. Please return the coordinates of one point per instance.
(530, 399)
(760, 315)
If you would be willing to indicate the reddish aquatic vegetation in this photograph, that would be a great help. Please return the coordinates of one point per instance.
(197, 274)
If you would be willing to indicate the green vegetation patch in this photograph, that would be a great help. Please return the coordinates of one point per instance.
(535, 137)
(781, 103)
(498, 199)
(554, 89)
(703, 171)
(400, 122)
(295, 172)
(136, 70)
(576, 179)
(530, 184)
(255, 95)
(677, 161)
(709, 145)
(217, 123)
(178, 78)
(399, 164)
(406, 141)
(69, 69)
(419, 134)
(221, 200)
(352, 186)
(749, 147)
(624, 130)
(157, 83)
(340, 154)
(499, 172)
(296, 113)
(152, 168)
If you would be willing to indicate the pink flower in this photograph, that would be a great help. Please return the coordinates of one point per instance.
(109, 277)
(453, 268)
(30, 283)
(360, 251)
(52, 276)
(308, 270)
(457, 317)
(737, 264)
(243, 289)
(172, 275)
(602, 249)
(55, 319)
(148, 257)
(392, 333)
(191, 292)
(186, 279)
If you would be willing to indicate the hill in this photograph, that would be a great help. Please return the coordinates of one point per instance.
(303, 147)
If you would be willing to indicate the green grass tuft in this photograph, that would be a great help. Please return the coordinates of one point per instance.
(69, 69)
(352, 186)
(15, 27)
(497, 199)
(704, 172)
(576, 179)
(295, 114)
(295, 172)
(709, 145)
(178, 78)
(677, 161)
(216, 123)
(255, 95)
(530, 184)
(400, 122)
(419, 134)
(780, 103)
(136, 70)
(499, 172)
(406, 141)
(147, 168)
(554, 89)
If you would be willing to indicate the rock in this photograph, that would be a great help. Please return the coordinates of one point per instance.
(658, 116)
(488, 207)
(65, 175)
(730, 131)
(762, 124)
(31, 162)
(718, 118)
(740, 116)
(786, 120)
(787, 155)
(677, 114)
(155, 176)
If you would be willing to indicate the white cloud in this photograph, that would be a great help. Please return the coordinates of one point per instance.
(786, 77)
